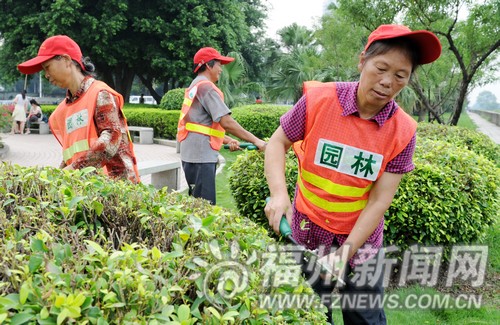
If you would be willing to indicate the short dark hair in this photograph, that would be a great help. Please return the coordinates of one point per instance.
(405, 45)
(204, 66)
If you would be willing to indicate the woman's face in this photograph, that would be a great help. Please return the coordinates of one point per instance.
(56, 70)
(382, 78)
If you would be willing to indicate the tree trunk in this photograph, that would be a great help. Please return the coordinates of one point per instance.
(120, 80)
(459, 103)
(148, 83)
(426, 105)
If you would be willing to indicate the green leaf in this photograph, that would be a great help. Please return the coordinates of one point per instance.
(24, 293)
(98, 207)
(34, 263)
(10, 301)
(214, 312)
(208, 220)
(21, 318)
(44, 313)
(184, 313)
(38, 245)
(95, 247)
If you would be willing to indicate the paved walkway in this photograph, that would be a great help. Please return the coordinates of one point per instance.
(486, 127)
(44, 150)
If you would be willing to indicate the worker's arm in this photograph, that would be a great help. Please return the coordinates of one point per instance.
(274, 167)
(234, 128)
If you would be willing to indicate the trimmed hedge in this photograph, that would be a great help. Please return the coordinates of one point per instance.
(173, 99)
(163, 122)
(261, 120)
(77, 247)
(451, 197)
(463, 137)
(248, 185)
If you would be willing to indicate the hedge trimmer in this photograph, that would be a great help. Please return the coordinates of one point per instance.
(244, 145)
(308, 255)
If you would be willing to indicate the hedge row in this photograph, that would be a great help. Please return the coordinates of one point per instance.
(79, 248)
(261, 120)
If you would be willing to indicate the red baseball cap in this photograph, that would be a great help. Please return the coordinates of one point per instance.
(427, 42)
(52, 46)
(206, 54)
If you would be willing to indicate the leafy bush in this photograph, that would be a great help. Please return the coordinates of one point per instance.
(164, 123)
(77, 247)
(463, 137)
(249, 186)
(451, 197)
(5, 117)
(173, 99)
(261, 120)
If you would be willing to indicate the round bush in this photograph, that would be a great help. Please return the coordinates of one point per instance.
(173, 99)
(249, 186)
(451, 197)
(261, 120)
(463, 137)
(77, 247)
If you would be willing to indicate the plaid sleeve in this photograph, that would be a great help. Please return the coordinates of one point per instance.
(403, 163)
(293, 122)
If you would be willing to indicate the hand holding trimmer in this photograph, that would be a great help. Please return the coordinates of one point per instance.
(308, 254)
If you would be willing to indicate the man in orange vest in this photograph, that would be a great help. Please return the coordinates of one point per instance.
(353, 144)
(89, 123)
(203, 122)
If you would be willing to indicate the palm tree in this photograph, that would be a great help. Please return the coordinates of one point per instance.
(235, 85)
(299, 62)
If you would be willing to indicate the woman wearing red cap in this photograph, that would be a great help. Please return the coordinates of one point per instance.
(89, 122)
(203, 122)
(353, 144)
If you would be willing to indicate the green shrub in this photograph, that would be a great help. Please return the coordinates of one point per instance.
(451, 197)
(79, 248)
(164, 123)
(463, 137)
(261, 120)
(173, 99)
(249, 186)
(5, 118)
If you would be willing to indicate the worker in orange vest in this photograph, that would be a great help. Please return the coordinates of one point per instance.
(203, 123)
(353, 144)
(89, 123)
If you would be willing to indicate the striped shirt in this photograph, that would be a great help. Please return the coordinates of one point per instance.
(304, 230)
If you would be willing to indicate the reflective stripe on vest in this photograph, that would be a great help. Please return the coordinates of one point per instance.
(328, 205)
(203, 129)
(79, 146)
(333, 188)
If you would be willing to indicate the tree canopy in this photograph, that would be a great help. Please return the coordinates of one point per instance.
(154, 40)
(468, 31)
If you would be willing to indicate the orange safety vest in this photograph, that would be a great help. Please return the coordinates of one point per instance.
(345, 155)
(73, 124)
(216, 132)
